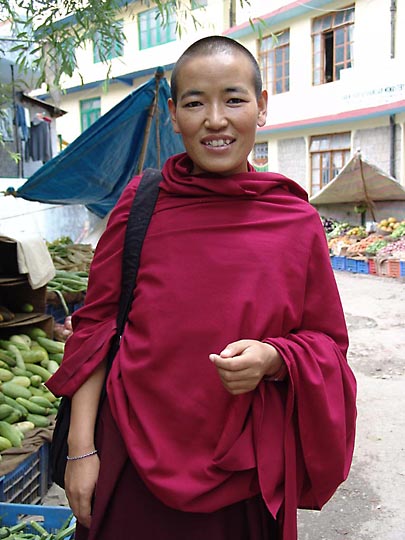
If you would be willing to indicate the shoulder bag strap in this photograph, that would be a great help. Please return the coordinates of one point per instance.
(138, 221)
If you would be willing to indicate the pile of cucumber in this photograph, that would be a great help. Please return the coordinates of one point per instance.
(32, 530)
(27, 361)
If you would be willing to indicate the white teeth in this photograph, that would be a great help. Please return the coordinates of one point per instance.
(219, 142)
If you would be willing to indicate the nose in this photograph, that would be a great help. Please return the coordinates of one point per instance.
(216, 118)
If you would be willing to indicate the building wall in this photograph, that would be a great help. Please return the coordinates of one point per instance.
(374, 144)
(361, 102)
(292, 159)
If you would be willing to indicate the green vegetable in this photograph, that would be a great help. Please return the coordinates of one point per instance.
(35, 331)
(51, 346)
(38, 420)
(11, 433)
(15, 390)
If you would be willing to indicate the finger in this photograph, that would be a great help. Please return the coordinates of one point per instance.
(84, 515)
(230, 364)
(235, 348)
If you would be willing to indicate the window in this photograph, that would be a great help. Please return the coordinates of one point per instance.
(260, 156)
(106, 49)
(196, 4)
(329, 154)
(332, 44)
(90, 111)
(274, 61)
(152, 30)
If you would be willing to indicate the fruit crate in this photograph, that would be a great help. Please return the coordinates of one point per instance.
(393, 268)
(351, 265)
(372, 267)
(51, 518)
(362, 266)
(28, 482)
(338, 263)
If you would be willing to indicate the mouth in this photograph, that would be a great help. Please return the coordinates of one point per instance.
(218, 143)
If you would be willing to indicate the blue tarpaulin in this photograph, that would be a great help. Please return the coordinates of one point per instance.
(94, 169)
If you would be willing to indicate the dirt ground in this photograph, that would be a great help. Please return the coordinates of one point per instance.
(370, 505)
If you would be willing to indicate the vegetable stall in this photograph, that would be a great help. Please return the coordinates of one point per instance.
(32, 342)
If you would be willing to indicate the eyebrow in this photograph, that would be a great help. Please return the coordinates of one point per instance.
(229, 90)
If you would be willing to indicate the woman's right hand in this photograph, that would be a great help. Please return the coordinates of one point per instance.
(80, 482)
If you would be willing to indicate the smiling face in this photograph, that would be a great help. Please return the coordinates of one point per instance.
(217, 111)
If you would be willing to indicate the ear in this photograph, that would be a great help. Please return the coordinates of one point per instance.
(262, 109)
(172, 111)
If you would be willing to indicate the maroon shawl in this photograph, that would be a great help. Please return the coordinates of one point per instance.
(225, 258)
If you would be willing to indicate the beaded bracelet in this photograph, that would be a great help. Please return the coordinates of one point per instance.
(73, 458)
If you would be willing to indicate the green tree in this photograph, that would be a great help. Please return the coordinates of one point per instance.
(46, 33)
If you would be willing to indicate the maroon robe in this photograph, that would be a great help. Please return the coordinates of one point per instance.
(225, 258)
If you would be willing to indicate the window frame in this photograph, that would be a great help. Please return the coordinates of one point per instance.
(260, 156)
(270, 62)
(329, 149)
(163, 33)
(86, 113)
(325, 30)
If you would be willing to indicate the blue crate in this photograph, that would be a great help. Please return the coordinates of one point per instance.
(339, 263)
(402, 268)
(351, 265)
(51, 518)
(28, 482)
(362, 267)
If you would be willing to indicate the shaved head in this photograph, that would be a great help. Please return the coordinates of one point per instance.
(209, 46)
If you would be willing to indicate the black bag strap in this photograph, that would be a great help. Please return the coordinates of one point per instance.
(138, 221)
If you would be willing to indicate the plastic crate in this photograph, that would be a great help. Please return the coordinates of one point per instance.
(372, 267)
(351, 265)
(362, 266)
(402, 268)
(51, 518)
(28, 482)
(339, 263)
(393, 269)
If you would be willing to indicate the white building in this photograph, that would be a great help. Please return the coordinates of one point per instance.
(334, 70)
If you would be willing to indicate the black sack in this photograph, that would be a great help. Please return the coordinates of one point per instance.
(59, 446)
(137, 225)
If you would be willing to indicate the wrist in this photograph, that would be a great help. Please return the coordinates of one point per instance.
(279, 375)
(278, 370)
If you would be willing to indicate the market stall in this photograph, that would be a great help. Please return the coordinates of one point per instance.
(29, 354)
(363, 213)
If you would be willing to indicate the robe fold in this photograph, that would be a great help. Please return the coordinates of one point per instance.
(224, 258)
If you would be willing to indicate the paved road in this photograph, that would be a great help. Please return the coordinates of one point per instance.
(370, 505)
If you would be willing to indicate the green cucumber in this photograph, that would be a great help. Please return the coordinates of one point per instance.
(41, 400)
(38, 420)
(11, 433)
(15, 390)
(41, 371)
(5, 375)
(13, 403)
(51, 346)
(32, 407)
(5, 444)
(5, 410)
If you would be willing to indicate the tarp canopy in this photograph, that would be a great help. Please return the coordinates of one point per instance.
(94, 169)
(359, 182)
